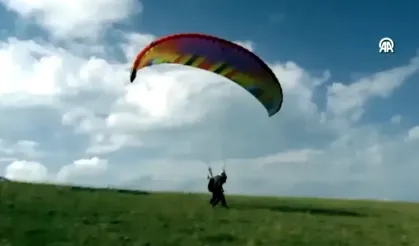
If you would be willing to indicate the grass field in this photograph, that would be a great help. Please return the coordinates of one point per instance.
(45, 215)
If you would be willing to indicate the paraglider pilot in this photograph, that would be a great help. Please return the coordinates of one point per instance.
(215, 186)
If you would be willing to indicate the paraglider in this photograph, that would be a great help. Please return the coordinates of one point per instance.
(215, 186)
(219, 56)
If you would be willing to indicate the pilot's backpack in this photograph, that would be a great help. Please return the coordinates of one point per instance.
(211, 185)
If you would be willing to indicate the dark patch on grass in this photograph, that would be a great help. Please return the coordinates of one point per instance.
(126, 191)
(133, 192)
(224, 221)
(220, 238)
(37, 231)
(301, 209)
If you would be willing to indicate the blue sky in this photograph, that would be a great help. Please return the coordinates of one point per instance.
(304, 33)
(348, 127)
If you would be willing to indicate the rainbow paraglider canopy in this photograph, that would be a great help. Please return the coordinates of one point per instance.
(219, 56)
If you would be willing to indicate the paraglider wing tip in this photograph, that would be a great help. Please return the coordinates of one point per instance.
(273, 112)
(133, 75)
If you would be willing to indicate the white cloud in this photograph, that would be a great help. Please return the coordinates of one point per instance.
(396, 119)
(101, 144)
(22, 67)
(24, 147)
(74, 18)
(293, 156)
(135, 42)
(26, 171)
(7, 159)
(349, 100)
(82, 170)
(413, 133)
(246, 44)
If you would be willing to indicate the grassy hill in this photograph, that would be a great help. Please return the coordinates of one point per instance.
(44, 215)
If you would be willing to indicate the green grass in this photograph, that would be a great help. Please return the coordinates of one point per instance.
(44, 215)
